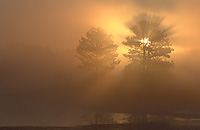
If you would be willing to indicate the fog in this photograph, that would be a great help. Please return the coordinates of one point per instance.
(41, 82)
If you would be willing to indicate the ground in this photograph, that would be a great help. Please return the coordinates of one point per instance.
(138, 126)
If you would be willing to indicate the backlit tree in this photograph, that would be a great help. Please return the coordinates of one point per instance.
(97, 51)
(149, 46)
(149, 72)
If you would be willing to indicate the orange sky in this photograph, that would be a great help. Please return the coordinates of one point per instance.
(59, 24)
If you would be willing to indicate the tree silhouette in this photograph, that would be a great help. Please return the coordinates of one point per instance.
(149, 44)
(149, 47)
(149, 71)
(97, 51)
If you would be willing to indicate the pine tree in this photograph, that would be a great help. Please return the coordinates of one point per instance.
(97, 51)
(149, 47)
(149, 72)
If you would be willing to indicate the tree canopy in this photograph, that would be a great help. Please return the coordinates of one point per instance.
(149, 46)
(148, 73)
(97, 51)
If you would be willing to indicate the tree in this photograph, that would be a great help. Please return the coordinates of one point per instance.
(149, 47)
(97, 51)
(149, 70)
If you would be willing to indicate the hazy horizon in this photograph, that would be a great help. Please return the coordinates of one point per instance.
(40, 79)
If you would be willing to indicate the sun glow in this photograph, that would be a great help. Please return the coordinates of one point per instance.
(114, 25)
(117, 28)
(145, 42)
